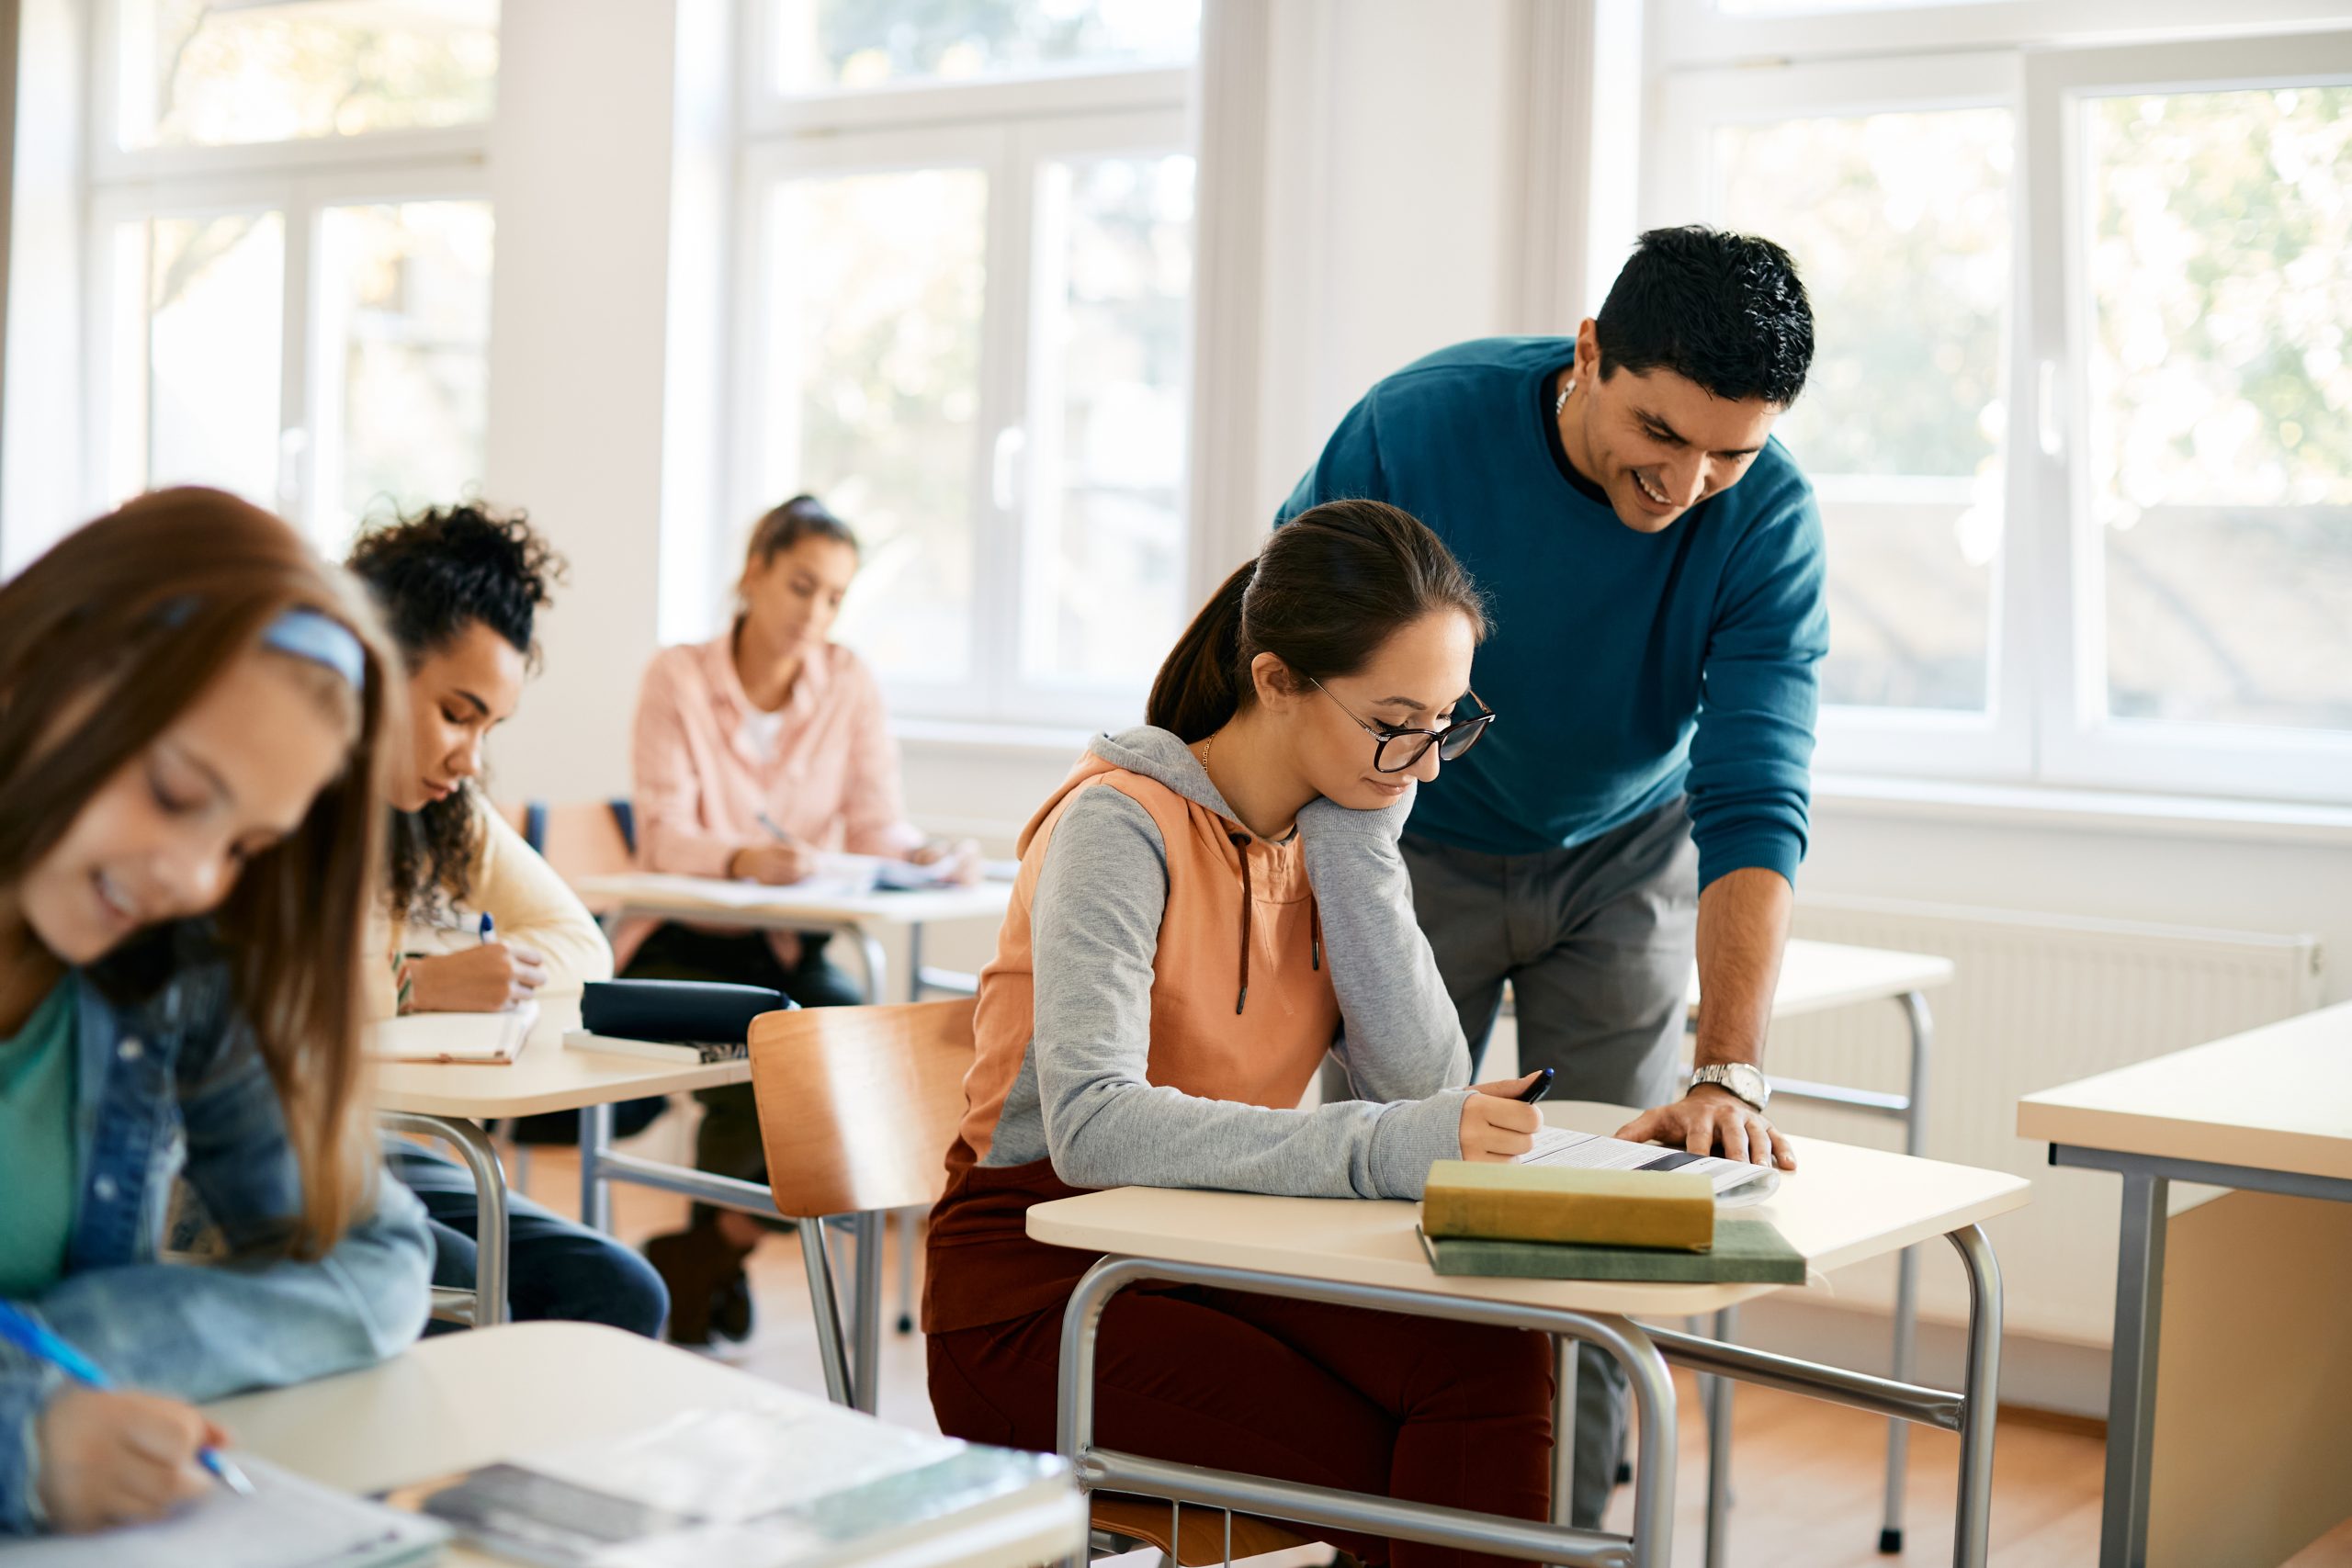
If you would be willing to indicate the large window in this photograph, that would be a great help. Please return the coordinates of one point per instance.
(291, 251)
(2077, 416)
(966, 280)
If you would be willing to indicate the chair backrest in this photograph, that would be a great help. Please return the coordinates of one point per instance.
(587, 838)
(859, 1105)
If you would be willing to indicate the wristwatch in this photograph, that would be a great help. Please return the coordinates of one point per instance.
(1745, 1081)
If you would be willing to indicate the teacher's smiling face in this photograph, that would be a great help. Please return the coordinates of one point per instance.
(1656, 442)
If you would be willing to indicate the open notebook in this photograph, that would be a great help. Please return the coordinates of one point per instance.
(453, 1036)
(1735, 1182)
(287, 1523)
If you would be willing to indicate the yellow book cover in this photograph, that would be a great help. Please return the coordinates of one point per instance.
(1665, 1209)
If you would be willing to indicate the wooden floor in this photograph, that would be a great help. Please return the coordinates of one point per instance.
(1807, 1475)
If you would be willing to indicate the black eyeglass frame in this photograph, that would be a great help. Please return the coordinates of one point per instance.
(1468, 731)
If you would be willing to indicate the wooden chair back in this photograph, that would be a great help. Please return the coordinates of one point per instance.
(858, 1106)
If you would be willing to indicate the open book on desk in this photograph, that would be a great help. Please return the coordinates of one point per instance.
(489, 1037)
(1736, 1183)
(287, 1523)
(795, 1484)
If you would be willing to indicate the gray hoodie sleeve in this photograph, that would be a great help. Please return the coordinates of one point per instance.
(1094, 924)
(1400, 1037)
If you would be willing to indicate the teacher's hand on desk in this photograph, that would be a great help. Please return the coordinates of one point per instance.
(490, 979)
(775, 864)
(1497, 1125)
(1711, 1120)
(111, 1457)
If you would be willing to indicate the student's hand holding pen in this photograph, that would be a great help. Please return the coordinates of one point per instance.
(1497, 1123)
(109, 1457)
(489, 978)
(775, 864)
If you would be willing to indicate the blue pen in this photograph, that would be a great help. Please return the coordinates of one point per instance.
(35, 1338)
(489, 929)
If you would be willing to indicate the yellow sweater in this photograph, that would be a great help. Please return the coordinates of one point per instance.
(529, 904)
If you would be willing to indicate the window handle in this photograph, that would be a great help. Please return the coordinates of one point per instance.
(1004, 469)
(2052, 425)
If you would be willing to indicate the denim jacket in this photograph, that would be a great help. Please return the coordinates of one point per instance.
(173, 1085)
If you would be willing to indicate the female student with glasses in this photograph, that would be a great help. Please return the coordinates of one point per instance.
(1209, 904)
(193, 713)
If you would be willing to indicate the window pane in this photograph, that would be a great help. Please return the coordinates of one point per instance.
(405, 346)
(824, 45)
(1900, 224)
(2220, 402)
(873, 361)
(207, 73)
(1105, 556)
(199, 311)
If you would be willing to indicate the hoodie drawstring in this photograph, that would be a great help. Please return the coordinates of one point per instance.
(1241, 843)
(1315, 932)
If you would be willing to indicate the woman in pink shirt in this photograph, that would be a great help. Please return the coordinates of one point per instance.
(753, 752)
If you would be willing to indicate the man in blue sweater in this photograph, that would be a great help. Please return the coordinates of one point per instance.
(1652, 562)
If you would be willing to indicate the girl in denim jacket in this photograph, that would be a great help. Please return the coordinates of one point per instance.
(191, 712)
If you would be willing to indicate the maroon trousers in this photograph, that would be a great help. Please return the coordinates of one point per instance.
(1415, 1408)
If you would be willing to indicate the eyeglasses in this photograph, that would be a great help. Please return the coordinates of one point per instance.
(1412, 745)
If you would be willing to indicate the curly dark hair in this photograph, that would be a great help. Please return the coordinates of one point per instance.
(1726, 310)
(434, 574)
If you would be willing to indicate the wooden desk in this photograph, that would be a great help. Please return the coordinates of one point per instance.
(1842, 1205)
(464, 1399)
(863, 917)
(2270, 1110)
(451, 1102)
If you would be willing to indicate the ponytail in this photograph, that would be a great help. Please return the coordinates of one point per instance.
(1322, 595)
(1198, 689)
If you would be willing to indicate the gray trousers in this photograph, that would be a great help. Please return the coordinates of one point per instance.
(1597, 942)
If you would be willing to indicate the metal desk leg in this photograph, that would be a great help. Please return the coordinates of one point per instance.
(1906, 1272)
(865, 1382)
(480, 1157)
(910, 1232)
(1564, 1428)
(878, 967)
(2131, 1386)
(596, 1188)
(1718, 1396)
(1972, 1525)
(826, 1308)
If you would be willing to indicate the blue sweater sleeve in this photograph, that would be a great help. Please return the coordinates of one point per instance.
(1349, 468)
(1750, 782)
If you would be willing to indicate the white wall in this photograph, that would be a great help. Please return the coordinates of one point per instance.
(581, 175)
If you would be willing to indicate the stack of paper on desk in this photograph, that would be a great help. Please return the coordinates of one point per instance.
(453, 1036)
(287, 1523)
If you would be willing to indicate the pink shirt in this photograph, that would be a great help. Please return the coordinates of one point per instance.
(828, 773)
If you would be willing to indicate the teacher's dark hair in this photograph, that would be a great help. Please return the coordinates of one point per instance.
(1328, 589)
(1725, 310)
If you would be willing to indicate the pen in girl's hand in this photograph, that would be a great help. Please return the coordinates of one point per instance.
(775, 830)
(488, 930)
(1539, 1088)
(35, 1338)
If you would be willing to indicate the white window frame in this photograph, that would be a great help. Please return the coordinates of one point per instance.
(2045, 720)
(1006, 127)
(301, 179)
(2079, 743)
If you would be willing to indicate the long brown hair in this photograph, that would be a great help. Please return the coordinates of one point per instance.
(108, 638)
(1322, 595)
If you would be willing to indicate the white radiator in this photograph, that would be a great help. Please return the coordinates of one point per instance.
(2038, 1000)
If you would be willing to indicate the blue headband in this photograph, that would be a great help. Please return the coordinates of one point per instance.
(321, 639)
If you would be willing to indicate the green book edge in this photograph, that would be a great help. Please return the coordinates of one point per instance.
(1747, 1251)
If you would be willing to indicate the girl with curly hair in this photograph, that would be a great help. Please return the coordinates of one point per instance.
(460, 587)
